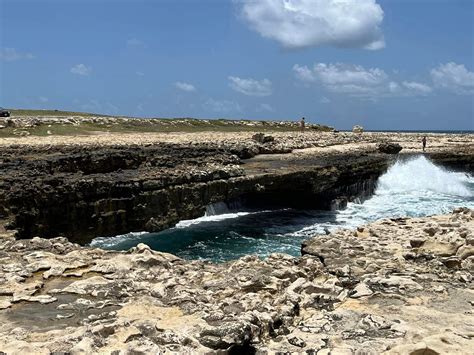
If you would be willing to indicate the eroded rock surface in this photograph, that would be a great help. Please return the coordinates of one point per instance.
(389, 148)
(90, 186)
(401, 286)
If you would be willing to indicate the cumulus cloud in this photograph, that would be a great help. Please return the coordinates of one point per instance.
(309, 23)
(417, 88)
(184, 86)
(81, 69)
(357, 81)
(453, 77)
(251, 87)
(343, 78)
(221, 106)
(11, 54)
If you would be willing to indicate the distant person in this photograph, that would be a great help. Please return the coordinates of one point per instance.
(424, 142)
(302, 123)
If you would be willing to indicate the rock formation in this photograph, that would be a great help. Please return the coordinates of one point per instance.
(400, 286)
(389, 148)
(85, 187)
(263, 138)
(357, 129)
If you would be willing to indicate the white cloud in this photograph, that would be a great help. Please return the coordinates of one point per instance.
(453, 77)
(265, 107)
(134, 42)
(394, 87)
(11, 54)
(308, 23)
(417, 88)
(43, 99)
(81, 69)
(324, 100)
(221, 106)
(185, 86)
(343, 78)
(304, 73)
(139, 73)
(357, 81)
(251, 87)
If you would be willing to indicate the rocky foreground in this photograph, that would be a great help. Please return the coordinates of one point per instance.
(400, 286)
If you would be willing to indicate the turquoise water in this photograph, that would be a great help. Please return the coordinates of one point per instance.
(412, 188)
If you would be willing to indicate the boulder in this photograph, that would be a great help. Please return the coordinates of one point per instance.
(389, 148)
(357, 129)
(263, 138)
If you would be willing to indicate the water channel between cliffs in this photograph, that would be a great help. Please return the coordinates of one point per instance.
(414, 187)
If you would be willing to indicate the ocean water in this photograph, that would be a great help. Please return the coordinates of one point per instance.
(416, 187)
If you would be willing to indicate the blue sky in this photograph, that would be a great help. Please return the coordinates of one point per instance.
(385, 64)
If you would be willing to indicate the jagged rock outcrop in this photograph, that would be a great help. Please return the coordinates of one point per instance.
(82, 193)
(389, 148)
(263, 138)
(400, 286)
(85, 187)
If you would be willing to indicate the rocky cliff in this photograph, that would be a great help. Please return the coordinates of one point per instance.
(85, 187)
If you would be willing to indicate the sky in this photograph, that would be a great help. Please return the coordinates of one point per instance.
(382, 64)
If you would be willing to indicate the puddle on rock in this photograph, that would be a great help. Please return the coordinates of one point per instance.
(45, 317)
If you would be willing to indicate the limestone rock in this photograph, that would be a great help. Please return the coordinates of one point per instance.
(370, 290)
(361, 290)
(263, 138)
(357, 129)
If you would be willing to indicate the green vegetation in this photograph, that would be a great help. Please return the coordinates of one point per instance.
(20, 113)
(73, 125)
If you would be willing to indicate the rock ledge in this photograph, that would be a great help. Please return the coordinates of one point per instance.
(401, 286)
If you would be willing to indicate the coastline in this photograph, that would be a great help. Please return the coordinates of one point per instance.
(100, 185)
(396, 286)
(386, 287)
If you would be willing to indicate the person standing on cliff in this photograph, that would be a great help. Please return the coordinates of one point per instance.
(423, 141)
(302, 124)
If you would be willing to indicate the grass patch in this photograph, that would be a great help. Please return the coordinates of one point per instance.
(115, 124)
(22, 113)
(92, 128)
